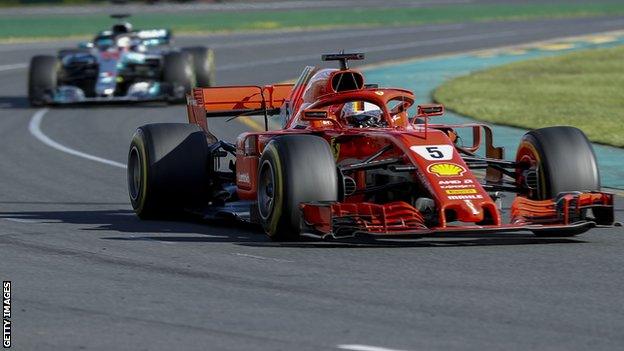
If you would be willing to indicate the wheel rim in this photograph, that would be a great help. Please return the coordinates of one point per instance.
(134, 174)
(528, 155)
(266, 190)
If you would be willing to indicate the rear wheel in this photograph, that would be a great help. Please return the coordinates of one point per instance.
(167, 169)
(42, 79)
(559, 159)
(178, 74)
(293, 169)
(203, 64)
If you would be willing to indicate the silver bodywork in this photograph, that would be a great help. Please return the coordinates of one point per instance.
(111, 60)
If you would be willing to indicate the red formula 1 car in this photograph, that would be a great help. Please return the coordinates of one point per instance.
(349, 160)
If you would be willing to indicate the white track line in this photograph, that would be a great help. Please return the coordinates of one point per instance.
(262, 257)
(13, 66)
(357, 347)
(34, 127)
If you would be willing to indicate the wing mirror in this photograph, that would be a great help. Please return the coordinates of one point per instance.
(314, 115)
(319, 115)
(430, 110)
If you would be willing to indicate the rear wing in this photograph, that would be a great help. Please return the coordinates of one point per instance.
(154, 37)
(232, 101)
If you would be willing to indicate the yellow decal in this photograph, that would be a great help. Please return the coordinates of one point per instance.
(379, 92)
(446, 169)
(461, 191)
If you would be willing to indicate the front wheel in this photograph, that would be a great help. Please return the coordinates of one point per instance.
(556, 160)
(293, 169)
(178, 74)
(563, 161)
(42, 79)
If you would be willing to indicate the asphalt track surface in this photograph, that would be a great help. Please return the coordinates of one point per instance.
(87, 274)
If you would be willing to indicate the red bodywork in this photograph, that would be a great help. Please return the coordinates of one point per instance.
(427, 154)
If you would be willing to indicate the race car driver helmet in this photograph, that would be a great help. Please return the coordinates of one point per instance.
(123, 41)
(122, 28)
(361, 114)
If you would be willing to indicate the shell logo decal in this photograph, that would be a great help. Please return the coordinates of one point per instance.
(446, 169)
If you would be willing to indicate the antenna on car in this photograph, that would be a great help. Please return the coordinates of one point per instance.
(343, 58)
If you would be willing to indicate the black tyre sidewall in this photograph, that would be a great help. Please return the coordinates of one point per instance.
(275, 220)
(178, 72)
(174, 169)
(305, 171)
(42, 78)
(567, 160)
(140, 201)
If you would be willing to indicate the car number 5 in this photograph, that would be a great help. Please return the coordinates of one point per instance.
(434, 152)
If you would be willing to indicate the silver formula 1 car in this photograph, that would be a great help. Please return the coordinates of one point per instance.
(120, 65)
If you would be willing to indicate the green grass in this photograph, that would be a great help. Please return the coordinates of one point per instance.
(583, 89)
(16, 27)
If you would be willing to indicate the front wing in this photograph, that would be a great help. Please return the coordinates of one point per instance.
(109, 100)
(565, 216)
(142, 92)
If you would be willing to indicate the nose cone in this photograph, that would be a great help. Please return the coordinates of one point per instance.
(107, 78)
(472, 211)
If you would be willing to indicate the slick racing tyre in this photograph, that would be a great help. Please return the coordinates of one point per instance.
(203, 64)
(562, 160)
(178, 74)
(42, 79)
(293, 169)
(167, 169)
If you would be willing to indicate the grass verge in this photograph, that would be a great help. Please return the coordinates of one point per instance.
(58, 26)
(583, 89)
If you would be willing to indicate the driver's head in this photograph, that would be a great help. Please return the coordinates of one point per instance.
(122, 28)
(361, 114)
